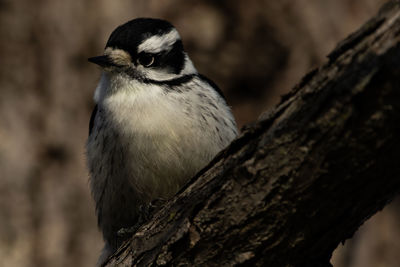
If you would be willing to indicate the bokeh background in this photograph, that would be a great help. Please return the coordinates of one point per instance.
(255, 50)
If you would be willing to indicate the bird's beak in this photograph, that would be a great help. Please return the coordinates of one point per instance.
(103, 61)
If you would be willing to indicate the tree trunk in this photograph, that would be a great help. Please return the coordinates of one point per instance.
(300, 180)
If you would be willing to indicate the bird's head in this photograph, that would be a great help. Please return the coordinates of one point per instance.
(148, 50)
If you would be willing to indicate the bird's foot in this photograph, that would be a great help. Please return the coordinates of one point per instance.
(145, 214)
(128, 231)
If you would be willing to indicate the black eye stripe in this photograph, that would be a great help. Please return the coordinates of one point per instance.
(172, 59)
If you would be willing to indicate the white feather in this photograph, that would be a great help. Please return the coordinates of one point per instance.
(158, 43)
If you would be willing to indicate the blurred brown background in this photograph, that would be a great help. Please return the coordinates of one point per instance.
(255, 50)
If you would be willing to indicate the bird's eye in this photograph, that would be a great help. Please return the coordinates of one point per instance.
(145, 59)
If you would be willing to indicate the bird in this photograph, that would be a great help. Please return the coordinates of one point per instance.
(155, 124)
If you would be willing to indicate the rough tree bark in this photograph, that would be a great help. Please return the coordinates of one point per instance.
(300, 180)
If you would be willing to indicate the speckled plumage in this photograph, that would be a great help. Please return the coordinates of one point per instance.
(151, 132)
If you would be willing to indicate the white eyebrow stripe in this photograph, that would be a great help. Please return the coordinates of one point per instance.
(158, 43)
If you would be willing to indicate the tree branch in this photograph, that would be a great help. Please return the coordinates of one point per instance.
(300, 180)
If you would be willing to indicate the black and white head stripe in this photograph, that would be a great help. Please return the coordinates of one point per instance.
(156, 39)
(158, 43)
(131, 34)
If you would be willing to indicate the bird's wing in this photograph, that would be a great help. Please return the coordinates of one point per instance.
(92, 117)
(213, 85)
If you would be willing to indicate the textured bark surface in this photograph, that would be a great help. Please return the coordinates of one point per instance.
(46, 86)
(300, 180)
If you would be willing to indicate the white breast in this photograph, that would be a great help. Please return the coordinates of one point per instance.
(170, 136)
